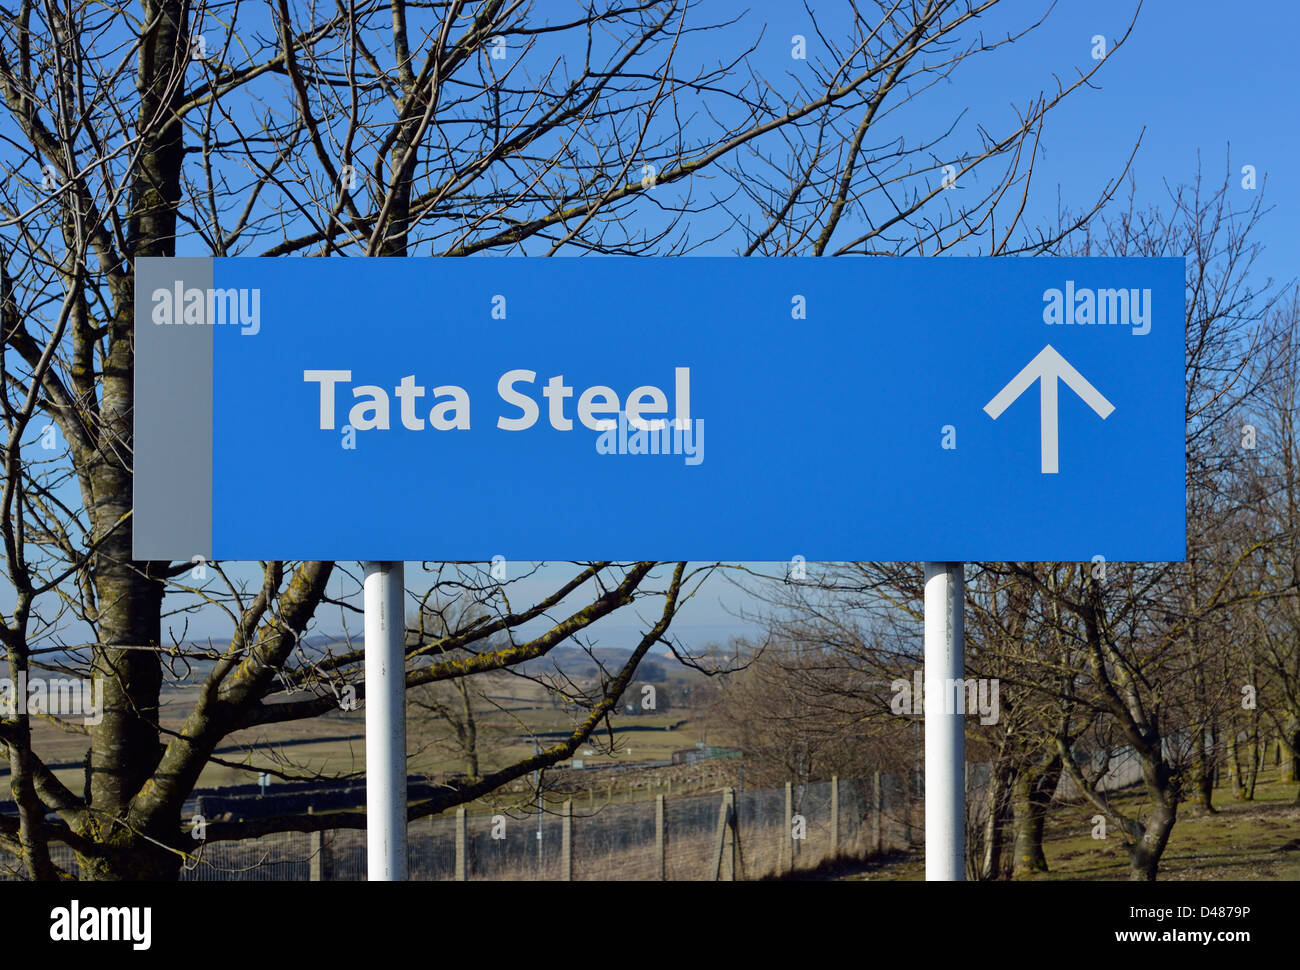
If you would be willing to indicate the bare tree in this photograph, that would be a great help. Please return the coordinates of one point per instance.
(1150, 637)
(1272, 491)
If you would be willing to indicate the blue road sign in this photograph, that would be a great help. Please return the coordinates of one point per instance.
(620, 408)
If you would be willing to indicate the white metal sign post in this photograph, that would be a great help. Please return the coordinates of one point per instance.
(385, 673)
(945, 725)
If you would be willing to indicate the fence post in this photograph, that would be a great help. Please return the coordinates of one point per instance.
(566, 841)
(835, 816)
(318, 868)
(733, 833)
(660, 841)
(877, 810)
(462, 869)
(727, 837)
(319, 864)
(789, 825)
(910, 790)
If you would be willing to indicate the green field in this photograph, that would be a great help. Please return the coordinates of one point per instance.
(1257, 840)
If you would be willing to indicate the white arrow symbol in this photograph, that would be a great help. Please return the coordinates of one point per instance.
(1046, 368)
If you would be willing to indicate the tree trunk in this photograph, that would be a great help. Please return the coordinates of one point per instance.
(1032, 793)
(31, 812)
(125, 746)
(1149, 840)
(1144, 857)
(1256, 760)
(992, 865)
(1235, 770)
(1290, 744)
(1143, 864)
(1202, 788)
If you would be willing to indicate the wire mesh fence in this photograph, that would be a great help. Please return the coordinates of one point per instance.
(729, 834)
(766, 832)
(618, 841)
(284, 856)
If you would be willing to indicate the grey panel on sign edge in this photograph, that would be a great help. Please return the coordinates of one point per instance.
(172, 500)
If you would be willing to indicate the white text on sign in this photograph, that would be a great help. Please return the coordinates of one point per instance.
(646, 407)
